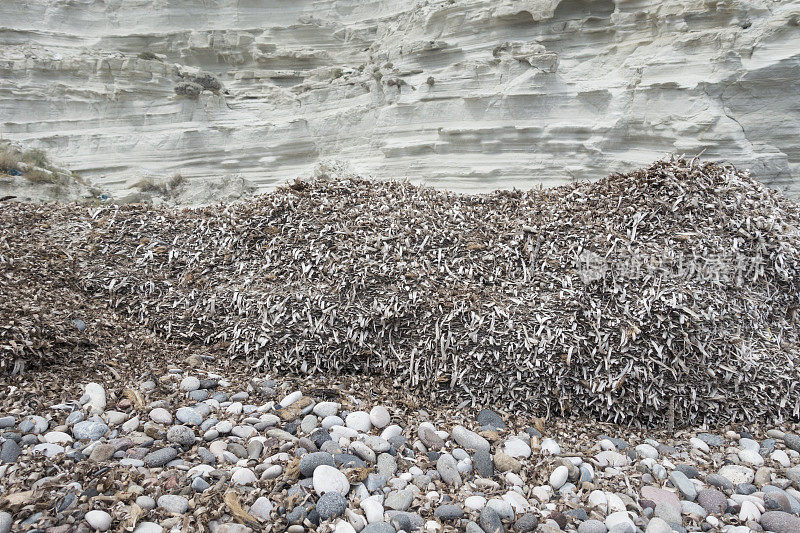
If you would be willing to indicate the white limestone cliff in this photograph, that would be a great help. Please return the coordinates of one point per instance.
(465, 94)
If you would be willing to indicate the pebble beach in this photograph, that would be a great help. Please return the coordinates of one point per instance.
(199, 447)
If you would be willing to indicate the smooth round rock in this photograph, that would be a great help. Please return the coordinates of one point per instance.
(712, 500)
(89, 430)
(447, 512)
(173, 503)
(780, 522)
(261, 508)
(160, 457)
(592, 526)
(189, 416)
(180, 435)
(159, 415)
(359, 420)
(328, 479)
(243, 476)
(190, 383)
(559, 476)
(379, 416)
(310, 461)
(99, 520)
(331, 505)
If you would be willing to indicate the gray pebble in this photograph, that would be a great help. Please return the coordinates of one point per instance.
(482, 461)
(180, 435)
(199, 484)
(378, 527)
(592, 526)
(89, 430)
(527, 523)
(684, 485)
(311, 461)
(331, 505)
(490, 419)
(490, 521)
(188, 415)
(9, 452)
(8, 422)
(448, 470)
(173, 503)
(146, 502)
(399, 500)
(447, 512)
(160, 457)
(5, 522)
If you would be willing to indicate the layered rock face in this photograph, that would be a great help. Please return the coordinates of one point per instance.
(465, 94)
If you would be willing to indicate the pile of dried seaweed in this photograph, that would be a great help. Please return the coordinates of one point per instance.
(670, 291)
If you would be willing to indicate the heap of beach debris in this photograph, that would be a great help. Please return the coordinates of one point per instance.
(669, 293)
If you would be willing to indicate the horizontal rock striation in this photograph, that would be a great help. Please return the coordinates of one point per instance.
(667, 293)
(466, 94)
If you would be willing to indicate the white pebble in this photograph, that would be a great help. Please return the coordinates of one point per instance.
(359, 421)
(99, 520)
(328, 479)
(290, 399)
(559, 476)
(243, 476)
(97, 398)
(190, 383)
(379, 416)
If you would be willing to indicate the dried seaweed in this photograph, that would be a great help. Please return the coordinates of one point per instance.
(673, 285)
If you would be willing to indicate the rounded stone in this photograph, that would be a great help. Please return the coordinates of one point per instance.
(328, 479)
(5, 522)
(737, 474)
(527, 523)
(490, 419)
(446, 512)
(331, 505)
(160, 457)
(146, 502)
(243, 476)
(780, 522)
(159, 415)
(173, 503)
(261, 508)
(592, 526)
(190, 383)
(99, 520)
(89, 430)
(379, 416)
(712, 500)
(469, 439)
(359, 420)
(189, 415)
(310, 461)
(180, 435)
(559, 476)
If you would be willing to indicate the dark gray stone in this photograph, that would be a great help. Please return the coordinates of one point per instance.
(331, 505)
(9, 452)
(160, 457)
(490, 521)
(780, 522)
(792, 441)
(490, 419)
(447, 512)
(528, 523)
(311, 461)
(379, 527)
(720, 481)
(482, 461)
(712, 500)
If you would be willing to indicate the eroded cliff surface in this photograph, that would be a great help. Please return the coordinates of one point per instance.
(465, 94)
